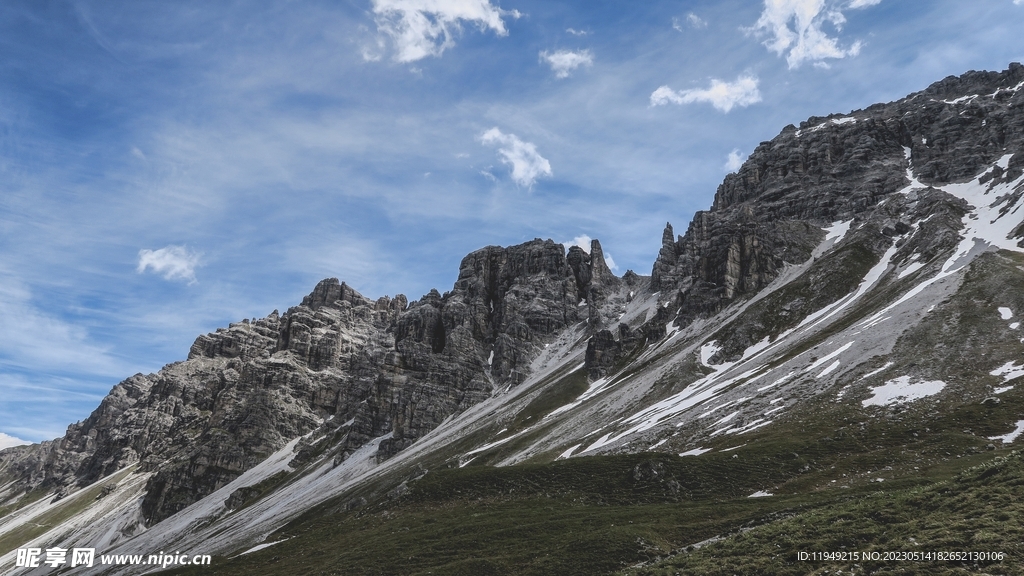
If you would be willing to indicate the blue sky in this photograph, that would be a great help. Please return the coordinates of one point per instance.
(167, 168)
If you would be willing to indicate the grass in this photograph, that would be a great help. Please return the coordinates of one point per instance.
(602, 515)
(976, 511)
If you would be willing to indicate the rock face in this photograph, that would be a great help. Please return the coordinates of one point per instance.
(339, 364)
(771, 211)
(342, 370)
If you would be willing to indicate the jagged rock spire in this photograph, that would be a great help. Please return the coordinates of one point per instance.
(599, 270)
(664, 272)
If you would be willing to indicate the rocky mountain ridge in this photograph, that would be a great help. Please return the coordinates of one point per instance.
(853, 254)
(338, 363)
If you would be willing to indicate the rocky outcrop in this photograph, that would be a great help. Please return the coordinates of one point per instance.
(341, 369)
(341, 366)
(770, 212)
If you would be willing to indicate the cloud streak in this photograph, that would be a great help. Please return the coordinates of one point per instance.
(38, 340)
(422, 28)
(527, 164)
(563, 62)
(722, 95)
(171, 262)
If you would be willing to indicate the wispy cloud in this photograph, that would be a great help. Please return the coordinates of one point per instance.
(563, 62)
(171, 262)
(8, 441)
(722, 95)
(575, 32)
(527, 164)
(421, 28)
(39, 340)
(795, 28)
(692, 20)
(734, 160)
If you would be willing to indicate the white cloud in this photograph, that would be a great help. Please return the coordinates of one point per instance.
(722, 95)
(575, 32)
(564, 62)
(527, 164)
(794, 28)
(172, 262)
(8, 441)
(583, 241)
(734, 161)
(421, 28)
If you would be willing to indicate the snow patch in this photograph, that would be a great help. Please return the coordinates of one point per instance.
(821, 361)
(988, 225)
(490, 445)
(879, 371)
(261, 547)
(837, 231)
(707, 351)
(760, 494)
(914, 182)
(695, 452)
(568, 452)
(865, 284)
(776, 383)
(595, 388)
(901, 390)
(727, 418)
(833, 122)
(830, 368)
(1005, 313)
(1007, 438)
(910, 269)
(1002, 389)
(961, 99)
(1008, 371)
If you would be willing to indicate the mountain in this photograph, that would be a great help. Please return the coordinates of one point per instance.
(840, 335)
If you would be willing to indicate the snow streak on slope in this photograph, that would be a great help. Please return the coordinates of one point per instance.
(202, 528)
(110, 515)
(993, 215)
(989, 224)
